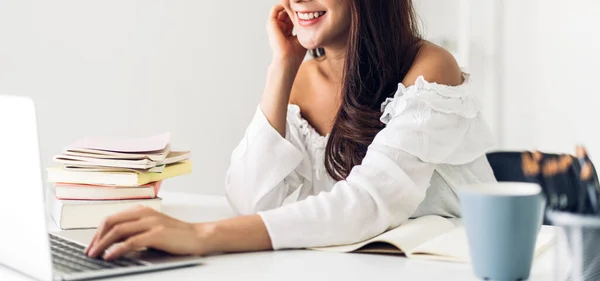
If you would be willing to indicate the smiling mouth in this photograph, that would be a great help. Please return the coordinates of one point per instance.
(310, 16)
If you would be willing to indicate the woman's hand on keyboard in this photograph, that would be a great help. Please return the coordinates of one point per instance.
(144, 227)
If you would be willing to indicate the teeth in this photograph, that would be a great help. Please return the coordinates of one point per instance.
(310, 16)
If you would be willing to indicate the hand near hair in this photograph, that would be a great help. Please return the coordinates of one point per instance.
(143, 227)
(284, 44)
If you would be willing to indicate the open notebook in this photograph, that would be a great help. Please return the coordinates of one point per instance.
(429, 237)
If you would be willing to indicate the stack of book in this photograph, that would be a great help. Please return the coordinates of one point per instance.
(99, 176)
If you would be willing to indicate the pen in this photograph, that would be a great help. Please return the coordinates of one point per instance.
(572, 186)
(589, 178)
(549, 173)
(586, 179)
(537, 160)
(568, 194)
(531, 170)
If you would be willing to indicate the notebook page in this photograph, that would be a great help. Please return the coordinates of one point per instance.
(454, 246)
(120, 144)
(405, 237)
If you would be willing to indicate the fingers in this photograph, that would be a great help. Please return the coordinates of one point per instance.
(284, 22)
(275, 11)
(129, 215)
(274, 16)
(91, 244)
(279, 15)
(288, 20)
(282, 15)
(120, 232)
(285, 16)
(273, 21)
(142, 240)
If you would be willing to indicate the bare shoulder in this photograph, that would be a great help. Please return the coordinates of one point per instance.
(435, 64)
(303, 82)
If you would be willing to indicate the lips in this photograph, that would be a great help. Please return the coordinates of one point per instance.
(306, 19)
(310, 15)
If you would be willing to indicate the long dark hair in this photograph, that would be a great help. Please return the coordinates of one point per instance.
(383, 42)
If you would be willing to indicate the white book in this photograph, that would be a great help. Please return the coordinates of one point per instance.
(83, 160)
(92, 168)
(71, 160)
(100, 154)
(80, 214)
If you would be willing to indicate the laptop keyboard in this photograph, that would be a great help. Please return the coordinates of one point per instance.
(68, 257)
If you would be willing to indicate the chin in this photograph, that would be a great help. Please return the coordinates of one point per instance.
(309, 45)
(309, 42)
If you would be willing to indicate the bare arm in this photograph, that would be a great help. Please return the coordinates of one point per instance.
(144, 227)
(276, 96)
(287, 57)
(239, 234)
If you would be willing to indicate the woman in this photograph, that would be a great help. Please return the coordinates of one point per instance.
(378, 128)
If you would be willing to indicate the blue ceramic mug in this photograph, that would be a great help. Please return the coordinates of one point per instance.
(502, 221)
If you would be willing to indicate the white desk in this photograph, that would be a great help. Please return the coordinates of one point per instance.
(301, 265)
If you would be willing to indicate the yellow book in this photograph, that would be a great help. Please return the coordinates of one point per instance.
(117, 178)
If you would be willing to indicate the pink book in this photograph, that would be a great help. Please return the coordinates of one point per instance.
(72, 191)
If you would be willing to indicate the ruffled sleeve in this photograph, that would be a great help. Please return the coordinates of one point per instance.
(267, 168)
(437, 123)
(426, 125)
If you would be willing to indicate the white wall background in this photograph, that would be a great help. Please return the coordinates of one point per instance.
(551, 66)
(196, 68)
(534, 64)
(467, 28)
(125, 67)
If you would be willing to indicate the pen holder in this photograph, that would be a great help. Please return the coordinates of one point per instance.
(577, 246)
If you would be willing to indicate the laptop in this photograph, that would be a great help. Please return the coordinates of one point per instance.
(25, 242)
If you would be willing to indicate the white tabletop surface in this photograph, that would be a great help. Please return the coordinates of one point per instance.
(301, 265)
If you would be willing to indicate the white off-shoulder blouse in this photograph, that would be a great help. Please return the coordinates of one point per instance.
(434, 141)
